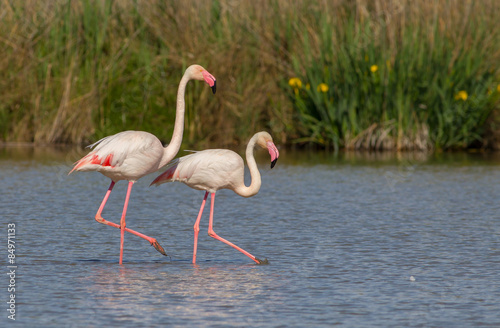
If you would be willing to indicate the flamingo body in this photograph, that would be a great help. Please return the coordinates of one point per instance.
(216, 169)
(127, 155)
(209, 170)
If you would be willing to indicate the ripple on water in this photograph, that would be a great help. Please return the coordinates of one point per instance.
(344, 239)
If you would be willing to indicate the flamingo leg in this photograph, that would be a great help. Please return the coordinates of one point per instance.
(122, 221)
(196, 227)
(212, 233)
(100, 219)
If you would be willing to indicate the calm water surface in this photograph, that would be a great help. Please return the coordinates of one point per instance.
(353, 241)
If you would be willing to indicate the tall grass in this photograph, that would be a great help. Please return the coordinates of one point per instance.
(404, 77)
(75, 71)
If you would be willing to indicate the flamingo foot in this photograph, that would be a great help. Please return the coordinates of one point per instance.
(259, 261)
(157, 246)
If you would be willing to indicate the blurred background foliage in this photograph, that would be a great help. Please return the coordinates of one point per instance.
(405, 75)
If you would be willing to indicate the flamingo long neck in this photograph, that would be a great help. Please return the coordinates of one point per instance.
(254, 173)
(175, 143)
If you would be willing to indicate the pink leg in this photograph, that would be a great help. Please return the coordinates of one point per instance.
(197, 227)
(212, 233)
(100, 219)
(122, 221)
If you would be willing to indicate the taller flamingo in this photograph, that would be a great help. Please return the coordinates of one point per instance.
(130, 155)
(215, 169)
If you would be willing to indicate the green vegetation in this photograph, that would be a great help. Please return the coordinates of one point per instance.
(379, 83)
(364, 74)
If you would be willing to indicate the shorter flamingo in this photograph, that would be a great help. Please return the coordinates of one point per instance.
(215, 169)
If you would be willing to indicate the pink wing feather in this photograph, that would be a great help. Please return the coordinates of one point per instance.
(100, 156)
(179, 169)
(168, 174)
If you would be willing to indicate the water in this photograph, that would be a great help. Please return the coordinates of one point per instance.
(353, 241)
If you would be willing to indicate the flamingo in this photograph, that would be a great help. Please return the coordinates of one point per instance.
(215, 169)
(130, 155)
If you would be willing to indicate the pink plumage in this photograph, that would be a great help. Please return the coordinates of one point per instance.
(130, 155)
(210, 170)
(216, 169)
(127, 155)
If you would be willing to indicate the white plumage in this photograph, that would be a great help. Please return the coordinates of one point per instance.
(130, 155)
(216, 169)
(224, 167)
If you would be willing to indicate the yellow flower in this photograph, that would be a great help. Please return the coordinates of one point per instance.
(461, 95)
(373, 68)
(498, 88)
(322, 87)
(295, 82)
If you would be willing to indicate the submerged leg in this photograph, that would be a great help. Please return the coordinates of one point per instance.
(196, 227)
(212, 233)
(100, 219)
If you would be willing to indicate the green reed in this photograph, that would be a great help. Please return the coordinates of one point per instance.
(426, 89)
(375, 74)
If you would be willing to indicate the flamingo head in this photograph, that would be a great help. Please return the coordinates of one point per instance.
(266, 141)
(197, 72)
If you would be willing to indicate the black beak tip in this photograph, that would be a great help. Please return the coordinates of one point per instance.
(273, 163)
(214, 87)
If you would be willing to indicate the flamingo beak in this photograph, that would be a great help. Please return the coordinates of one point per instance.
(273, 151)
(210, 79)
(273, 163)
